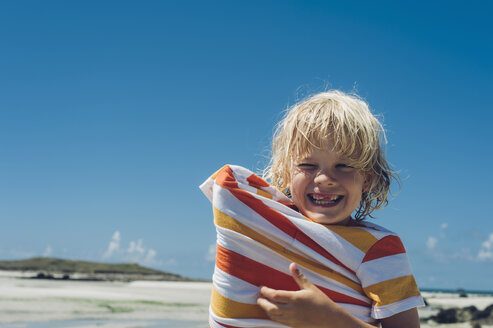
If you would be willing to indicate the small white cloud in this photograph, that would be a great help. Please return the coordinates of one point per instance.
(135, 252)
(211, 253)
(135, 249)
(444, 226)
(431, 243)
(48, 251)
(486, 251)
(114, 245)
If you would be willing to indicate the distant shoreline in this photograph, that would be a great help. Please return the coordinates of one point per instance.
(60, 269)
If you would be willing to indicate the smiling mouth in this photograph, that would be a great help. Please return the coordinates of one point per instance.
(325, 200)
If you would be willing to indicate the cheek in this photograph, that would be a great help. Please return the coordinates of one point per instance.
(297, 186)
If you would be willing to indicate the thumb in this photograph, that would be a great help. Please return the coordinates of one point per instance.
(299, 277)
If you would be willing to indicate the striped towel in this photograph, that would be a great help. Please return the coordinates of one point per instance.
(362, 267)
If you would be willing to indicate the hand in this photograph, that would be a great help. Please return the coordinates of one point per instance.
(307, 307)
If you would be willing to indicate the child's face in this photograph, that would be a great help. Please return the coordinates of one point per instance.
(325, 188)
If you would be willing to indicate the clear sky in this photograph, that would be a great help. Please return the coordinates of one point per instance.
(113, 112)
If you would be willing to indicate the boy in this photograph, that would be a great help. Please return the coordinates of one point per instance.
(327, 156)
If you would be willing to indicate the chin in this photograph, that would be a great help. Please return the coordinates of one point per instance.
(325, 220)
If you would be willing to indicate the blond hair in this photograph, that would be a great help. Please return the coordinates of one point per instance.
(345, 123)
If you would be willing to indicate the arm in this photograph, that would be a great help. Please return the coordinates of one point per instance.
(309, 307)
(407, 319)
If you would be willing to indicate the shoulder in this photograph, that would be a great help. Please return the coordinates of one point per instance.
(375, 236)
(386, 242)
(371, 227)
(386, 275)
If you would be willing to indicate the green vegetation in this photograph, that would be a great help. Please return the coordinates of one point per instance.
(61, 266)
(116, 309)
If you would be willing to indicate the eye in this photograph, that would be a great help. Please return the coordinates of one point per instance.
(306, 166)
(344, 166)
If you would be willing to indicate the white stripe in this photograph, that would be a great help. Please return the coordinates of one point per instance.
(360, 312)
(388, 310)
(206, 188)
(339, 247)
(384, 268)
(241, 176)
(233, 288)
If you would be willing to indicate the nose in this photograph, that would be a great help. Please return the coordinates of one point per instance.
(325, 177)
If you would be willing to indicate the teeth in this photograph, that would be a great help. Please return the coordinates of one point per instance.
(322, 200)
(320, 197)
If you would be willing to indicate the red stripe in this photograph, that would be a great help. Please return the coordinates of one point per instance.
(388, 245)
(225, 325)
(259, 274)
(255, 181)
(226, 179)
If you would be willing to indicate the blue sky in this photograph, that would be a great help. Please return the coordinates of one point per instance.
(113, 112)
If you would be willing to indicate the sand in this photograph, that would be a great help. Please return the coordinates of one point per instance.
(82, 304)
(34, 300)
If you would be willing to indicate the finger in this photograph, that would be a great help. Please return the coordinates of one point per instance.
(278, 296)
(274, 311)
(299, 277)
(270, 308)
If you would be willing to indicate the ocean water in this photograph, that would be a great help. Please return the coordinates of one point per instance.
(106, 323)
(458, 291)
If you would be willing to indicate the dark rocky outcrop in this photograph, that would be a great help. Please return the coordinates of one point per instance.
(466, 314)
(454, 315)
(485, 316)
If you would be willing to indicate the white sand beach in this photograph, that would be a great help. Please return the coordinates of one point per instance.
(139, 302)
(85, 304)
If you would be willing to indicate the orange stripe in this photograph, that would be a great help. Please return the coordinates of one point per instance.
(264, 194)
(214, 175)
(225, 308)
(223, 220)
(225, 178)
(359, 238)
(392, 290)
(256, 181)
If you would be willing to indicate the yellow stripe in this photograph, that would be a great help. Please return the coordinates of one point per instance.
(359, 238)
(225, 308)
(223, 220)
(264, 194)
(392, 290)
